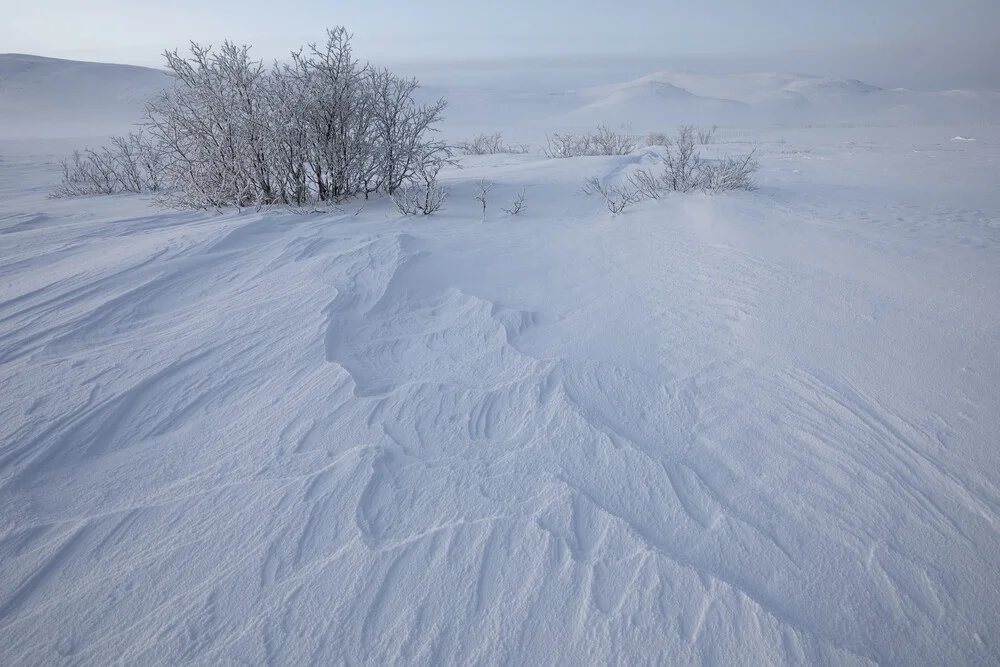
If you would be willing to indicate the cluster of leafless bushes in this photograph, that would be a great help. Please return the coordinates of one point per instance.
(483, 197)
(232, 132)
(131, 163)
(483, 190)
(683, 170)
(703, 136)
(490, 144)
(421, 194)
(602, 141)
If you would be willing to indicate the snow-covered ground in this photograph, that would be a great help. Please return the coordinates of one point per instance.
(759, 428)
(49, 97)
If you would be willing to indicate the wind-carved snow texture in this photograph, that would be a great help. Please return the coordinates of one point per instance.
(749, 429)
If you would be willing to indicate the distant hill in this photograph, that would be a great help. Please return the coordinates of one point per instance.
(50, 97)
(653, 100)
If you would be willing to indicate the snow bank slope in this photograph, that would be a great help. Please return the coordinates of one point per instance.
(48, 97)
(749, 429)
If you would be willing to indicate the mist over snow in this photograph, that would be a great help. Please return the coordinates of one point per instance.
(756, 427)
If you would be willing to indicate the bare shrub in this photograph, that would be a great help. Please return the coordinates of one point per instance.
(87, 174)
(656, 139)
(616, 197)
(230, 132)
(605, 141)
(729, 173)
(602, 141)
(419, 198)
(565, 145)
(423, 194)
(490, 144)
(517, 205)
(137, 161)
(681, 162)
(483, 194)
(407, 200)
(400, 140)
(684, 169)
(706, 137)
(647, 184)
(129, 164)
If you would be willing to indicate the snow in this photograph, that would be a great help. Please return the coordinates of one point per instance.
(754, 428)
(532, 100)
(42, 98)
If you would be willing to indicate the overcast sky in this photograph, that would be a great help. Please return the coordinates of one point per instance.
(919, 43)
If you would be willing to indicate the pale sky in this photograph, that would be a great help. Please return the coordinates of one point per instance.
(934, 43)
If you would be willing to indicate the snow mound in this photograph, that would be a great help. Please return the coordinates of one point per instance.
(666, 97)
(649, 101)
(761, 88)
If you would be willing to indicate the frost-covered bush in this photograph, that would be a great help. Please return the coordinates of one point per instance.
(231, 132)
(489, 144)
(423, 194)
(129, 164)
(657, 139)
(602, 141)
(605, 141)
(685, 170)
(706, 137)
(682, 163)
(729, 173)
(616, 197)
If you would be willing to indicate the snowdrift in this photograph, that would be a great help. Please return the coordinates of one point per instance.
(759, 428)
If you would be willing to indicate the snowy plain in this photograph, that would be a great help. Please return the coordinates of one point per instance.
(754, 428)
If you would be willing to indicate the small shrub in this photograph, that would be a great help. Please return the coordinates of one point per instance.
(706, 137)
(616, 197)
(602, 141)
(605, 141)
(729, 173)
(130, 164)
(490, 144)
(657, 139)
(682, 162)
(423, 195)
(565, 145)
(684, 170)
(517, 206)
(483, 195)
